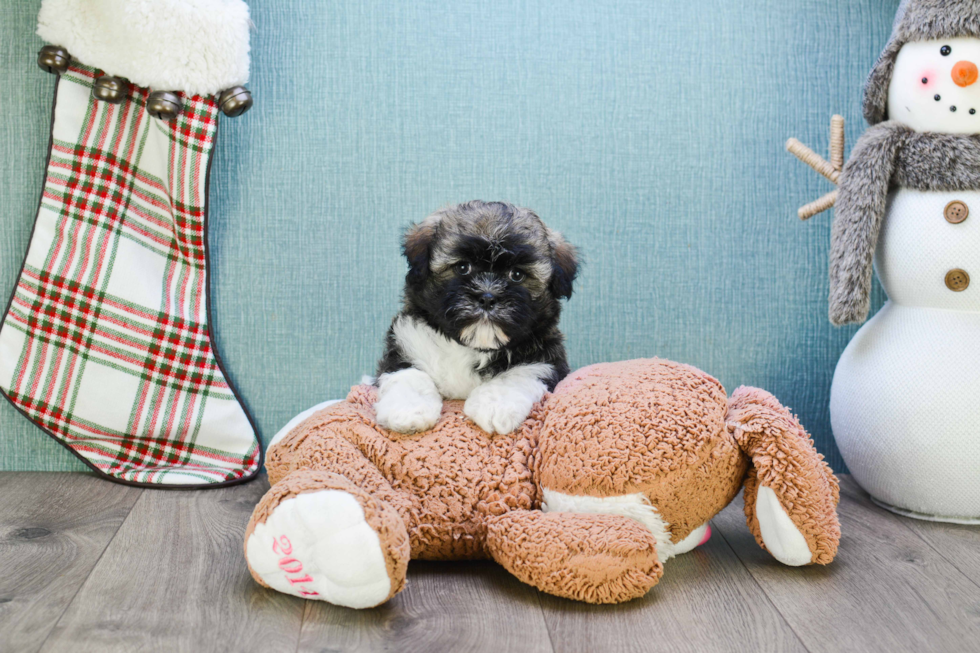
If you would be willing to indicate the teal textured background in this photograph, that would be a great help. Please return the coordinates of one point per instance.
(650, 133)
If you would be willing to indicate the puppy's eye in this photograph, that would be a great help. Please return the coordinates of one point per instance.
(463, 268)
(946, 51)
(517, 276)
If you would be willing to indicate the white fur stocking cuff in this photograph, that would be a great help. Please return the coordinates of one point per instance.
(199, 47)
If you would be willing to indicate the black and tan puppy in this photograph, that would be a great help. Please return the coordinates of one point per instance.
(479, 320)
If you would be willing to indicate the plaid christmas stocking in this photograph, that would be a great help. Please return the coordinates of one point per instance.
(106, 343)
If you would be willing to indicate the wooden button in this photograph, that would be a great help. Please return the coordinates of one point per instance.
(957, 280)
(956, 212)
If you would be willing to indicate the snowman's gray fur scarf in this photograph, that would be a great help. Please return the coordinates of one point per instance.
(917, 20)
(889, 155)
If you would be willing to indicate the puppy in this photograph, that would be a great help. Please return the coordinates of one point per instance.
(479, 320)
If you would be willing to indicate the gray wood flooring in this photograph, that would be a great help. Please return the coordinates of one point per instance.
(86, 565)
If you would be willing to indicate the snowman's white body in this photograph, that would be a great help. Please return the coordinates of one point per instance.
(905, 402)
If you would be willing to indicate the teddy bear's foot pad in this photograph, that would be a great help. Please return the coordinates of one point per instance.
(698, 537)
(783, 539)
(319, 545)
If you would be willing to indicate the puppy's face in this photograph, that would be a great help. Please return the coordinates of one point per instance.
(488, 275)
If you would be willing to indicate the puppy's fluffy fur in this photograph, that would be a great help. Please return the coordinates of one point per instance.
(479, 320)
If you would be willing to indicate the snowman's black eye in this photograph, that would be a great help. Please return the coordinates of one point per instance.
(946, 51)
(953, 109)
(938, 98)
(973, 112)
(925, 80)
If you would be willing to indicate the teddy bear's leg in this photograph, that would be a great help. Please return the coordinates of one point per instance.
(325, 442)
(282, 455)
(587, 557)
(299, 419)
(791, 494)
(319, 536)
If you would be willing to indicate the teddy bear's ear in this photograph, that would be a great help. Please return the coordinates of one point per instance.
(564, 266)
(417, 248)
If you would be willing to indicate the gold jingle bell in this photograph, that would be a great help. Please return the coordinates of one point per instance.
(53, 59)
(235, 101)
(110, 89)
(164, 105)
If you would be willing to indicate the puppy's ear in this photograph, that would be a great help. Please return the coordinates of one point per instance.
(564, 266)
(417, 247)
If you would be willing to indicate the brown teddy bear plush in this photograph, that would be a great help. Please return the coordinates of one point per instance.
(613, 474)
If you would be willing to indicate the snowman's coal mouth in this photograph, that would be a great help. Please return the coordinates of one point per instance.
(952, 109)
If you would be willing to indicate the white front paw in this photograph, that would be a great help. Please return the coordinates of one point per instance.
(408, 402)
(495, 410)
(408, 413)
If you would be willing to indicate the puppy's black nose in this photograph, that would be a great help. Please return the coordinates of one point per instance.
(487, 300)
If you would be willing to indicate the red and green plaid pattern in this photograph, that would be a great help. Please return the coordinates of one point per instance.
(106, 344)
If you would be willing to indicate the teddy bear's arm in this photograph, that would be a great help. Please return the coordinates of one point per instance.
(587, 557)
(791, 494)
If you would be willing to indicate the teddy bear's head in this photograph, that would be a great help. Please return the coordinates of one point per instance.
(649, 427)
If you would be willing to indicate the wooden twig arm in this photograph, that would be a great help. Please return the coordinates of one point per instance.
(837, 142)
(812, 159)
(829, 169)
(825, 203)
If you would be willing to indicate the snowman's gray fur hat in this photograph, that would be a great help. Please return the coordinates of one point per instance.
(917, 20)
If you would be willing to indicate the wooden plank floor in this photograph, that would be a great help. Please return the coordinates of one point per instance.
(86, 565)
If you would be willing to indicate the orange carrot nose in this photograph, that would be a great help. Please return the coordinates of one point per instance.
(965, 73)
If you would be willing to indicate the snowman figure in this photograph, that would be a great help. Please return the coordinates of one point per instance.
(905, 401)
